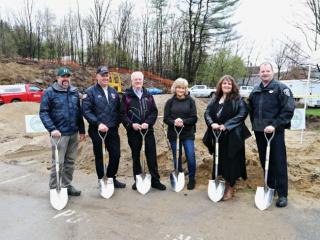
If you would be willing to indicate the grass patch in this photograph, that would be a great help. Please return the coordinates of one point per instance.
(313, 111)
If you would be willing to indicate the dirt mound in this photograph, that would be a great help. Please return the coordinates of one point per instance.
(19, 147)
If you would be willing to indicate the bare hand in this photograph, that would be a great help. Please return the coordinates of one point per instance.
(178, 122)
(136, 126)
(144, 125)
(215, 126)
(56, 133)
(222, 128)
(82, 137)
(269, 129)
(102, 128)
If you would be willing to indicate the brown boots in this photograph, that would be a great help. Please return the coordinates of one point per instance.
(228, 194)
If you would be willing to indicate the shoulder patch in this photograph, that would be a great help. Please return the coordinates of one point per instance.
(286, 91)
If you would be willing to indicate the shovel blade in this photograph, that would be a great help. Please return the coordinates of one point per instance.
(216, 190)
(108, 189)
(143, 183)
(264, 197)
(177, 182)
(58, 199)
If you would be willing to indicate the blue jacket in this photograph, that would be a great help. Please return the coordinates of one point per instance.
(60, 110)
(97, 109)
(271, 105)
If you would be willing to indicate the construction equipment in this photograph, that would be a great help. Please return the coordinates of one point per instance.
(58, 195)
(115, 81)
(177, 178)
(143, 180)
(216, 187)
(264, 195)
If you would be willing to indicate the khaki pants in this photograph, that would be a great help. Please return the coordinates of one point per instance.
(67, 148)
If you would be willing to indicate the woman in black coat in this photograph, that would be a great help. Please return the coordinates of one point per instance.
(226, 112)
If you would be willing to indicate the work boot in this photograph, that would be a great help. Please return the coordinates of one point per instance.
(118, 184)
(282, 202)
(191, 184)
(134, 186)
(158, 185)
(228, 194)
(72, 191)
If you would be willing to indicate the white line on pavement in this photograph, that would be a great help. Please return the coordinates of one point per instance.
(15, 179)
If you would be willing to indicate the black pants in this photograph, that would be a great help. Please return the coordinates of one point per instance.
(112, 142)
(135, 143)
(278, 171)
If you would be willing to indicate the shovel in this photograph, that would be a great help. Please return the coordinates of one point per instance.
(216, 187)
(177, 178)
(59, 195)
(106, 191)
(143, 180)
(264, 195)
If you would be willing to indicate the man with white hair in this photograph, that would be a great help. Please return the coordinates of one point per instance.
(139, 113)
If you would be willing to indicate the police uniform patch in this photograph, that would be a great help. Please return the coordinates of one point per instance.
(84, 96)
(286, 92)
(113, 95)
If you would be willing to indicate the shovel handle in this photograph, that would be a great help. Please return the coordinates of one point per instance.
(104, 153)
(142, 162)
(178, 132)
(56, 142)
(216, 134)
(266, 167)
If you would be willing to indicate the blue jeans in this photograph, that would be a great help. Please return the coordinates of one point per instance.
(188, 146)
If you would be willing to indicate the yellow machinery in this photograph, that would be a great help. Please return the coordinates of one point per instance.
(115, 81)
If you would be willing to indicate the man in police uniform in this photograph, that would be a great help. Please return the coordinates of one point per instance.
(271, 108)
(101, 106)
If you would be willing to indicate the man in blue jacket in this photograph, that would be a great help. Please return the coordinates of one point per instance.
(60, 113)
(101, 106)
(271, 107)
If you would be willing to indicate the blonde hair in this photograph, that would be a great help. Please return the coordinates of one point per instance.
(137, 74)
(179, 82)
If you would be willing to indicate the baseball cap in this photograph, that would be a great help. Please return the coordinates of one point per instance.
(63, 71)
(102, 70)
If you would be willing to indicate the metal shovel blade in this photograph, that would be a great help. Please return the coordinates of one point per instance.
(108, 189)
(264, 197)
(143, 183)
(58, 199)
(177, 182)
(216, 190)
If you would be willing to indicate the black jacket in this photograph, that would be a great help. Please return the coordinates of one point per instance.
(184, 109)
(60, 110)
(271, 105)
(236, 130)
(96, 109)
(135, 110)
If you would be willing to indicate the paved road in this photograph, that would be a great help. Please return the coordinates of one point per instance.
(26, 213)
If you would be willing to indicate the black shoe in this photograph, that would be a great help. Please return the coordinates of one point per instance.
(191, 184)
(134, 187)
(118, 184)
(282, 202)
(72, 191)
(158, 185)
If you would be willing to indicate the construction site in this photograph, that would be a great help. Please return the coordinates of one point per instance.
(25, 159)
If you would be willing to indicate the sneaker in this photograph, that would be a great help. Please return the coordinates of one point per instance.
(158, 185)
(191, 184)
(118, 184)
(134, 187)
(282, 202)
(72, 191)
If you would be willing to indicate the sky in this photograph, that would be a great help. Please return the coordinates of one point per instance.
(264, 23)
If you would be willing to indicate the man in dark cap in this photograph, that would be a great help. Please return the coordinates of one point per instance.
(101, 106)
(60, 113)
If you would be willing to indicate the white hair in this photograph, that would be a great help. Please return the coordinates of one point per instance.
(179, 82)
(136, 74)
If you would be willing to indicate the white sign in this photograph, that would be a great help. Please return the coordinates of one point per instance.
(34, 124)
(298, 122)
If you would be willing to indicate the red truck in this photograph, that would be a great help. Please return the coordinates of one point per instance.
(20, 93)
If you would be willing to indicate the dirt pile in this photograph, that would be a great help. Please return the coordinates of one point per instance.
(17, 147)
